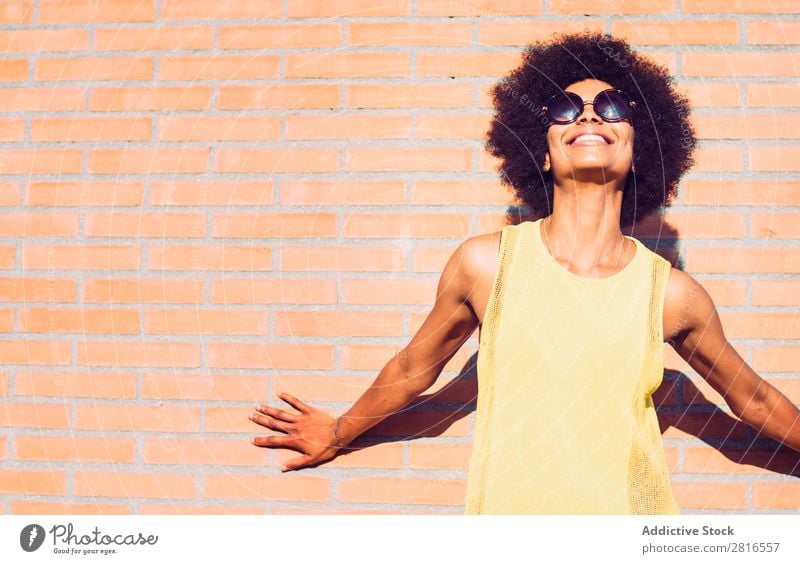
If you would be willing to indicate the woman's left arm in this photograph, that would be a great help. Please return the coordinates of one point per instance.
(699, 339)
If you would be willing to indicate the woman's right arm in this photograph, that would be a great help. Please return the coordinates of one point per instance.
(318, 436)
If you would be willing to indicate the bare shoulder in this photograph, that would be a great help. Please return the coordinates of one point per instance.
(685, 302)
(479, 254)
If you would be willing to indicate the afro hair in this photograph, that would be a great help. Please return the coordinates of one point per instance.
(665, 139)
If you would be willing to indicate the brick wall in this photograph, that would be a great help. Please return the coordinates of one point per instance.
(205, 202)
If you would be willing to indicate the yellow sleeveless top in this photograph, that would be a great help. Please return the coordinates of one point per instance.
(565, 422)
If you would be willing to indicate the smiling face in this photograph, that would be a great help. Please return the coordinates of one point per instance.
(589, 149)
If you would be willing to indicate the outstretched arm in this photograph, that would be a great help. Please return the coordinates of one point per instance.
(701, 342)
(318, 436)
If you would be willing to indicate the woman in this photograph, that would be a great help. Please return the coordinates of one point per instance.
(572, 313)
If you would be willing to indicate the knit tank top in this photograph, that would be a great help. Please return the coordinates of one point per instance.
(565, 422)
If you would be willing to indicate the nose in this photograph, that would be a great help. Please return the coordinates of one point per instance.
(588, 113)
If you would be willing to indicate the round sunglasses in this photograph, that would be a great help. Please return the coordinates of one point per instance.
(611, 105)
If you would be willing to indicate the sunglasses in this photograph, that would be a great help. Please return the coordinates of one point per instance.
(611, 105)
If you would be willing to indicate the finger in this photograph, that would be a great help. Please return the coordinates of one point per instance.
(277, 441)
(268, 422)
(296, 403)
(276, 413)
(297, 463)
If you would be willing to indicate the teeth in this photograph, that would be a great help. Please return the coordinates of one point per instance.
(589, 137)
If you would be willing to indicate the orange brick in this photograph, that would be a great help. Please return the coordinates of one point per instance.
(3, 392)
(59, 508)
(347, 126)
(174, 160)
(411, 96)
(520, 32)
(41, 224)
(95, 68)
(256, 225)
(739, 7)
(143, 224)
(13, 69)
(199, 322)
(277, 160)
(40, 161)
(349, 8)
(677, 32)
(309, 387)
(738, 461)
(338, 323)
(16, 12)
(431, 259)
(203, 451)
(279, 96)
(743, 259)
(138, 353)
(726, 292)
(134, 484)
(438, 491)
(291, 36)
(296, 510)
(43, 40)
(434, 34)
(775, 292)
(33, 482)
(740, 64)
(289, 356)
(37, 415)
(771, 32)
(273, 291)
(82, 449)
(335, 64)
(386, 455)
(747, 126)
(776, 359)
(772, 325)
(229, 419)
(175, 10)
(121, 417)
(710, 495)
(461, 192)
(94, 384)
(718, 158)
(152, 98)
(417, 225)
(461, 127)
(378, 291)
(776, 496)
(213, 128)
(773, 94)
(481, 8)
(775, 158)
(583, 7)
(342, 193)
(204, 387)
(693, 225)
(115, 194)
(160, 38)
(75, 257)
(408, 159)
(79, 320)
(207, 193)
(218, 67)
(208, 257)
(35, 352)
(712, 94)
(177, 509)
(86, 11)
(440, 456)
(9, 193)
(468, 63)
(741, 193)
(90, 129)
(6, 320)
(266, 487)
(314, 258)
(7, 257)
(774, 225)
(28, 289)
(143, 290)
(51, 99)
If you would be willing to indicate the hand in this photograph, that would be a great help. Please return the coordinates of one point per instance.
(311, 432)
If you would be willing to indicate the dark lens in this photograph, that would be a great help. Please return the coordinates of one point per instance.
(612, 105)
(565, 107)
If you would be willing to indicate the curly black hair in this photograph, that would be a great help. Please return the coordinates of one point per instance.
(665, 139)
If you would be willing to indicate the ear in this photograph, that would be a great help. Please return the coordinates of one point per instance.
(546, 165)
